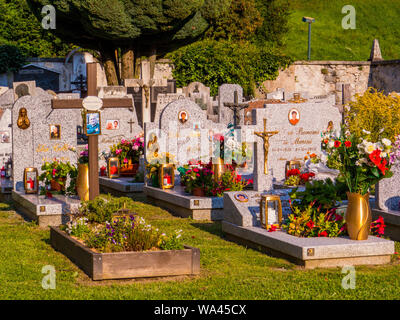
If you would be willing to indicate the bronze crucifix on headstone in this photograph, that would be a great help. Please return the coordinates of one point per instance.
(93, 141)
(236, 107)
(265, 135)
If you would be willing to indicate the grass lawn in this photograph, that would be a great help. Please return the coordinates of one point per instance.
(228, 270)
(374, 19)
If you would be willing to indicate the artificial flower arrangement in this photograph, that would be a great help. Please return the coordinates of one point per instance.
(361, 161)
(154, 163)
(99, 226)
(197, 175)
(312, 157)
(55, 175)
(315, 214)
(295, 177)
(128, 152)
(316, 221)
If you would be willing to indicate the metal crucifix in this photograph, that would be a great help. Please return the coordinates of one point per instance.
(236, 107)
(265, 135)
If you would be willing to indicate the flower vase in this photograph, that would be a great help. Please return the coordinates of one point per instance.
(198, 192)
(82, 182)
(56, 186)
(218, 169)
(154, 181)
(358, 216)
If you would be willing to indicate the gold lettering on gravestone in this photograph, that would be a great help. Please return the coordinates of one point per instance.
(42, 148)
(58, 148)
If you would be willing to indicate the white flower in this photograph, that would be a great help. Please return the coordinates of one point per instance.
(366, 132)
(386, 142)
(369, 147)
(331, 144)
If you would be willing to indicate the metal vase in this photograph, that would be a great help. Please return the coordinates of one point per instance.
(218, 169)
(358, 216)
(82, 182)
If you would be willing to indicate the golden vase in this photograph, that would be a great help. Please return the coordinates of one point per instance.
(218, 169)
(82, 182)
(358, 216)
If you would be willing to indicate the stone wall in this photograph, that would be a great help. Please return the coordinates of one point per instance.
(317, 78)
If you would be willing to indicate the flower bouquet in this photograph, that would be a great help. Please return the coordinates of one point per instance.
(362, 162)
(295, 177)
(128, 152)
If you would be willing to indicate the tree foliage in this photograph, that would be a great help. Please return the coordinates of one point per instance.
(217, 62)
(11, 58)
(19, 27)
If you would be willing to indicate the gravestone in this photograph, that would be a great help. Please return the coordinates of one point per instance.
(199, 93)
(34, 146)
(162, 100)
(226, 93)
(300, 132)
(388, 191)
(6, 103)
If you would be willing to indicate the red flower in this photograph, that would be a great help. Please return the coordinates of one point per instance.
(293, 172)
(375, 157)
(272, 228)
(323, 234)
(310, 224)
(337, 144)
(347, 144)
(382, 166)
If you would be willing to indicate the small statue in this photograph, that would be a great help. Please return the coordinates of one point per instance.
(23, 121)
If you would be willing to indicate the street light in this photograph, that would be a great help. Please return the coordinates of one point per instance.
(309, 21)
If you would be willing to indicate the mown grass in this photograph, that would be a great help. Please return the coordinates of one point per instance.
(374, 19)
(228, 270)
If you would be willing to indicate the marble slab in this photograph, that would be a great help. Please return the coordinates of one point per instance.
(121, 185)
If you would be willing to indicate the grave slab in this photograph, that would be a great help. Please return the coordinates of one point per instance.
(392, 222)
(313, 252)
(120, 186)
(186, 205)
(242, 224)
(45, 211)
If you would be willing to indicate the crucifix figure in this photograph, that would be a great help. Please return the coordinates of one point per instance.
(81, 83)
(131, 122)
(236, 107)
(93, 141)
(265, 135)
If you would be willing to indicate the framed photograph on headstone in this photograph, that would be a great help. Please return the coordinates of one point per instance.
(183, 116)
(294, 116)
(55, 131)
(112, 124)
(5, 137)
(92, 123)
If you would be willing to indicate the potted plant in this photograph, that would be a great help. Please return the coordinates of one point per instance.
(55, 175)
(129, 153)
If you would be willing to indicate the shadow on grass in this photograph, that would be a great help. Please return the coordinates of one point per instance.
(213, 227)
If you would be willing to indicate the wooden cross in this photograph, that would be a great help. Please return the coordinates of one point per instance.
(93, 141)
(265, 135)
(131, 122)
(235, 107)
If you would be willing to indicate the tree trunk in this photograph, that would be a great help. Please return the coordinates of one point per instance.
(127, 64)
(137, 62)
(152, 59)
(108, 59)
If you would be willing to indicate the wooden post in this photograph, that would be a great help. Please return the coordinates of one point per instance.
(93, 141)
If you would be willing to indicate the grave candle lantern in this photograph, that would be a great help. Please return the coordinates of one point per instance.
(270, 211)
(167, 176)
(113, 167)
(31, 180)
(292, 164)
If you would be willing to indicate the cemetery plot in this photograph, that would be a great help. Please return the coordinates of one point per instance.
(123, 265)
(242, 224)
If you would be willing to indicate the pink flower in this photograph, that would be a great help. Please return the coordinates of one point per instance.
(54, 172)
(125, 160)
(118, 151)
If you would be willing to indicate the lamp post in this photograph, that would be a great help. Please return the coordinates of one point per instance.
(309, 21)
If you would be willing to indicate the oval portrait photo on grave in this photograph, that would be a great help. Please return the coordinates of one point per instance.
(294, 116)
(241, 197)
(182, 116)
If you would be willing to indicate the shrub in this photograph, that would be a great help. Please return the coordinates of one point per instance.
(11, 58)
(372, 112)
(217, 62)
